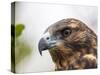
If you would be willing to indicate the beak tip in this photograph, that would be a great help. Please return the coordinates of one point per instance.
(41, 53)
(42, 46)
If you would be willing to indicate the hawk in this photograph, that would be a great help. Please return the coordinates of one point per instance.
(71, 44)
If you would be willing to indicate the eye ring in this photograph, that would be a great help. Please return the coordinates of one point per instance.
(66, 32)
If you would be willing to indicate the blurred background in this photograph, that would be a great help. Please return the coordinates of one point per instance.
(36, 17)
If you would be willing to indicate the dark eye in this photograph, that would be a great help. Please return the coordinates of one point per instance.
(66, 32)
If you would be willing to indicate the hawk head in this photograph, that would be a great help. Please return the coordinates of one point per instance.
(68, 35)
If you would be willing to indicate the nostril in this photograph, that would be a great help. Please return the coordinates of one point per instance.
(47, 38)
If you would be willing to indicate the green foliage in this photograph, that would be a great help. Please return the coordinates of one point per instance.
(19, 47)
(22, 50)
(18, 29)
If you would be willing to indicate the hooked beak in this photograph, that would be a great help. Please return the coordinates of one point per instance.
(46, 43)
(42, 45)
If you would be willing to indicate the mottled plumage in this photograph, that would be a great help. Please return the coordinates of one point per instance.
(72, 45)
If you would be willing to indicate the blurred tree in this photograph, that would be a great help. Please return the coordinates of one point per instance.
(19, 48)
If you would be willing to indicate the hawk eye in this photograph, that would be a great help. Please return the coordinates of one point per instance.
(66, 32)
